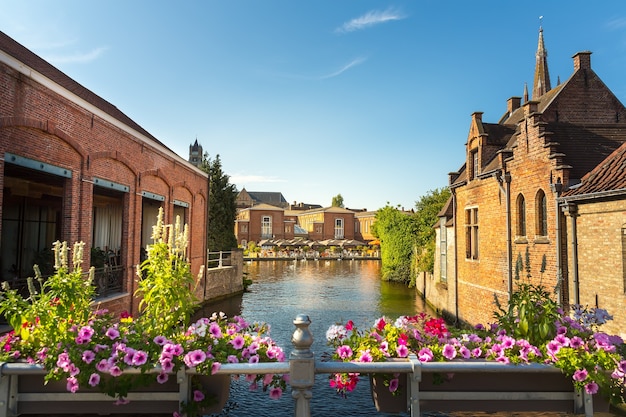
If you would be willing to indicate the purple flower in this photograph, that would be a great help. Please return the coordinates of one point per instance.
(167, 365)
(112, 333)
(160, 340)
(215, 367)
(254, 359)
(344, 352)
(194, 358)
(198, 395)
(72, 384)
(94, 379)
(88, 356)
(365, 356)
(238, 342)
(215, 330)
(103, 366)
(449, 352)
(402, 351)
(591, 388)
(276, 393)
(115, 371)
(162, 377)
(232, 359)
(139, 358)
(580, 375)
(393, 385)
(425, 355)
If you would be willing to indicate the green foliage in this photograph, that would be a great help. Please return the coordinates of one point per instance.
(222, 206)
(166, 285)
(427, 209)
(53, 305)
(407, 241)
(531, 311)
(337, 201)
(396, 231)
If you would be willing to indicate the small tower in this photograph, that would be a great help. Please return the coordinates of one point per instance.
(195, 153)
(541, 85)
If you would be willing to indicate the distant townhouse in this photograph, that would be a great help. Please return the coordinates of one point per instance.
(363, 222)
(509, 195)
(75, 168)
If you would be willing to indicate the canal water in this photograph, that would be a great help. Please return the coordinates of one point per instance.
(328, 292)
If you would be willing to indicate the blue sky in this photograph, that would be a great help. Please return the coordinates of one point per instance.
(368, 99)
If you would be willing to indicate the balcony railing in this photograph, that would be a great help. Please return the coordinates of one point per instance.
(108, 280)
(218, 259)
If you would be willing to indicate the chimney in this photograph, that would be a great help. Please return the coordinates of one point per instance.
(477, 116)
(531, 107)
(582, 60)
(513, 104)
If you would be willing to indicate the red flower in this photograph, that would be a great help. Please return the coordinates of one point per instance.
(349, 325)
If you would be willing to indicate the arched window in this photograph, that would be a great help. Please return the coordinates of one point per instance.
(521, 215)
(542, 214)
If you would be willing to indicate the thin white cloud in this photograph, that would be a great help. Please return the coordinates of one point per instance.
(371, 18)
(617, 23)
(343, 69)
(76, 57)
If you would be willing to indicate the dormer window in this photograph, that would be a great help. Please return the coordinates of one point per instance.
(473, 171)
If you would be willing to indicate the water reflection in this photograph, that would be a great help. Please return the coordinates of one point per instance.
(328, 292)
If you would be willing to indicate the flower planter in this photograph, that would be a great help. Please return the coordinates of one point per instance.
(384, 400)
(23, 392)
(496, 387)
(505, 391)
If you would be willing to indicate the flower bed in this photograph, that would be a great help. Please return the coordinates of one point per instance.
(87, 348)
(592, 361)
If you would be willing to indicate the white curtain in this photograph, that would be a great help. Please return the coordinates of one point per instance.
(108, 227)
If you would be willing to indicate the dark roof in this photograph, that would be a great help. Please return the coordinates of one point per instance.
(586, 146)
(26, 56)
(268, 197)
(609, 175)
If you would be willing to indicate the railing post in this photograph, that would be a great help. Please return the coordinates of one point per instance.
(220, 261)
(302, 366)
(415, 377)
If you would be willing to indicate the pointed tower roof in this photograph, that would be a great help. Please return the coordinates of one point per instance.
(541, 85)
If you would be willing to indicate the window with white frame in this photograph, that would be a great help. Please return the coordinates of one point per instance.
(266, 227)
(339, 228)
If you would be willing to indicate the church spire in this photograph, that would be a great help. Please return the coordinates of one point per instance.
(541, 85)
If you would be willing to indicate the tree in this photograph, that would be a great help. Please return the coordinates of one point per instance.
(396, 231)
(222, 206)
(427, 208)
(337, 201)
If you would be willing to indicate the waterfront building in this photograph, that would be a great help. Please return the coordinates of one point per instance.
(535, 186)
(76, 168)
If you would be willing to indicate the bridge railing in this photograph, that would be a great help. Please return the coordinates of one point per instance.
(218, 259)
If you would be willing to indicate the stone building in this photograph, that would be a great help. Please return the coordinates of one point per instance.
(75, 168)
(507, 197)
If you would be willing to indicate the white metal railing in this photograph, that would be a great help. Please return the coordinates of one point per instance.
(302, 367)
(218, 259)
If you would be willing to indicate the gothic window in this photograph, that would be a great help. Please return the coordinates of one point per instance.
(542, 214)
(521, 215)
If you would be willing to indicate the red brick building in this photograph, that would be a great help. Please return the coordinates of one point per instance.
(75, 168)
(506, 196)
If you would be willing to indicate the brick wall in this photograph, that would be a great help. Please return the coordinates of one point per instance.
(39, 124)
(601, 246)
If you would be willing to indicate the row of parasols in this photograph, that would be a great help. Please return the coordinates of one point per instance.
(300, 243)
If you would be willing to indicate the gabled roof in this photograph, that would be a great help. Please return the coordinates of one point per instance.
(38, 64)
(269, 197)
(609, 176)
